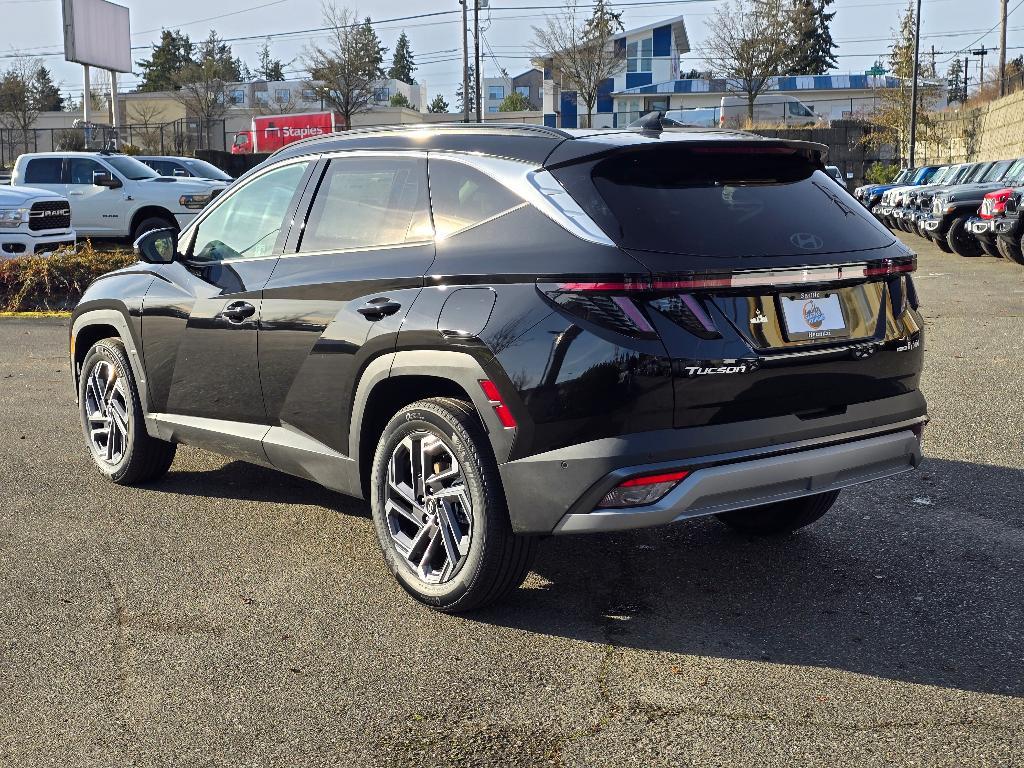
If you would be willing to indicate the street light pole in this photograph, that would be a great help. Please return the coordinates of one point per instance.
(476, 56)
(465, 63)
(1002, 49)
(913, 89)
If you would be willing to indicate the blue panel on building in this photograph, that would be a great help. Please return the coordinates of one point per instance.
(636, 79)
(604, 96)
(663, 40)
(568, 103)
(822, 82)
(787, 83)
(859, 81)
(551, 120)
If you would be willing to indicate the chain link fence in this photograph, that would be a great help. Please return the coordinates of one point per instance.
(182, 137)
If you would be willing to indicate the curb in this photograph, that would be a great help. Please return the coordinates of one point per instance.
(34, 314)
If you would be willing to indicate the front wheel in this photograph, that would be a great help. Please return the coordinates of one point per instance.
(962, 242)
(112, 419)
(990, 247)
(439, 510)
(1011, 250)
(150, 223)
(780, 516)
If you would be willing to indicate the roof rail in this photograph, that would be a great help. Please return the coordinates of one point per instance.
(373, 129)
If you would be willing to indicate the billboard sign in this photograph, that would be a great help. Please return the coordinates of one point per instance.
(96, 33)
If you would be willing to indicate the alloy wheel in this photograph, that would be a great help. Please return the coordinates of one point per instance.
(427, 507)
(107, 405)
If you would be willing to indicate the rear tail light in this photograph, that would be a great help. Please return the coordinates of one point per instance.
(497, 402)
(638, 491)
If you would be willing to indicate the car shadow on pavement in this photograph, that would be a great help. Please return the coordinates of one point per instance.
(916, 580)
(243, 481)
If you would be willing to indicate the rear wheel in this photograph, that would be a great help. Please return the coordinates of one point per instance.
(962, 242)
(780, 517)
(112, 418)
(439, 510)
(1011, 250)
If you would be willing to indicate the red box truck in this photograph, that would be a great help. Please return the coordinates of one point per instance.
(271, 132)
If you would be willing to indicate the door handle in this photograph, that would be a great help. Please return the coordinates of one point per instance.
(237, 311)
(378, 308)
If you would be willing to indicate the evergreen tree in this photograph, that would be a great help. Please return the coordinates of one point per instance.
(603, 21)
(400, 100)
(45, 93)
(169, 57)
(267, 67)
(370, 48)
(459, 103)
(812, 49)
(956, 90)
(402, 64)
(214, 53)
(438, 105)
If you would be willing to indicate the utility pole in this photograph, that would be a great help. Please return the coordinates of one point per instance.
(913, 89)
(1002, 48)
(465, 64)
(476, 56)
(981, 53)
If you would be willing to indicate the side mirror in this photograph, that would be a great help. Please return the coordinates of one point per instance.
(101, 179)
(158, 246)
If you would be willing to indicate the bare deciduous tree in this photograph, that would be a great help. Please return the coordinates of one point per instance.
(18, 106)
(345, 72)
(581, 49)
(748, 43)
(148, 116)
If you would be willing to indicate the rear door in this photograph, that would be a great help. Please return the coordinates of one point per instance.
(353, 266)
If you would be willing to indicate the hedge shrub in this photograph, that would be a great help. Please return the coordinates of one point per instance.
(54, 283)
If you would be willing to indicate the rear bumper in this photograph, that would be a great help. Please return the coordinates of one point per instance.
(740, 484)
(554, 491)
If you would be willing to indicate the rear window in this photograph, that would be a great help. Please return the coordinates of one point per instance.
(721, 201)
(43, 170)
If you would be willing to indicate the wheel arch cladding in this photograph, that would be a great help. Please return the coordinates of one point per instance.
(96, 324)
(401, 378)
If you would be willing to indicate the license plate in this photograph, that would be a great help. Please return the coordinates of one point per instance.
(813, 315)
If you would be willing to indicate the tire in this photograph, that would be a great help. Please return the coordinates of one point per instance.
(150, 223)
(941, 243)
(126, 454)
(437, 562)
(990, 248)
(781, 516)
(1011, 250)
(960, 241)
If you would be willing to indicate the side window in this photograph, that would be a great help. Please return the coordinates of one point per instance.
(44, 170)
(461, 196)
(365, 202)
(247, 223)
(81, 170)
(160, 166)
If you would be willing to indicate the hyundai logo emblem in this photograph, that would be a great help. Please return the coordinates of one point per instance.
(807, 241)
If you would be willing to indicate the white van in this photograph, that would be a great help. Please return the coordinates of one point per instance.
(769, 109)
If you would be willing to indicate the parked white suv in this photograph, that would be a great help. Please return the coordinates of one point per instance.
(114, 195)
(33, 221)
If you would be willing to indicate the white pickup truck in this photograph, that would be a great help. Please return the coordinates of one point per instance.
(114, 195)
(33, 222)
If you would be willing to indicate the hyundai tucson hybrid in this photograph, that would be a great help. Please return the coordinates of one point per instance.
(496, 333)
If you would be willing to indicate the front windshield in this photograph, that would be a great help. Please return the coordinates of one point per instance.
(957, 173)
(1015, 175)
(976, 173)
(131, 168)
(941, 174)
(997, 171)
(206, 170)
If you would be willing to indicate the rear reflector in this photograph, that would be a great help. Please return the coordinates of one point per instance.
(498, 404)
(638, 491)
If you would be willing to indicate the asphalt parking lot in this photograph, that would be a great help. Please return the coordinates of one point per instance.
(235, 616)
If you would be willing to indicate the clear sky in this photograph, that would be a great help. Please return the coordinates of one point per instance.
(861, 27)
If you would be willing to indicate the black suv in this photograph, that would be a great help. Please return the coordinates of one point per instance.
(499, 332)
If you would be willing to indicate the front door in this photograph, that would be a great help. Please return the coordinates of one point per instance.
(351, 273)
(95, 210)
(200, 320)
